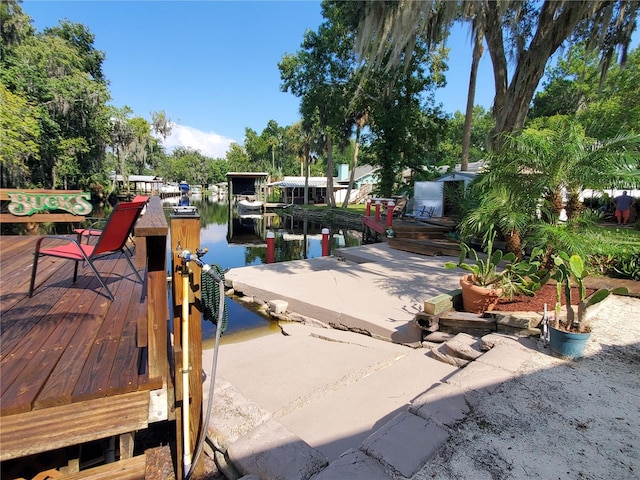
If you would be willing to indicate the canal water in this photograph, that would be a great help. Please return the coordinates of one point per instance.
(233, 241)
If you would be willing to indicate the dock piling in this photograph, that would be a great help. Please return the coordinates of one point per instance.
(185, 235)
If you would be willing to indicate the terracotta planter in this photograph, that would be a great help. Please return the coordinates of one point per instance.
(476, 299)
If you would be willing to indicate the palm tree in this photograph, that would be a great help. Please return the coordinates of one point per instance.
(360, 120)
(500, 209)
(300, 140)
(555, 157)
(529, 175)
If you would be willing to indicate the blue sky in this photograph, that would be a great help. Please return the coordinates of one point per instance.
(212, 66)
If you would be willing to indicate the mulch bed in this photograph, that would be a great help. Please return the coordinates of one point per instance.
(547, 294)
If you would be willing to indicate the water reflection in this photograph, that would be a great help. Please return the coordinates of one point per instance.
(235, 241)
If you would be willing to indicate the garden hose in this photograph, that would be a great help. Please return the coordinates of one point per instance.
(211, 299)
(214, 309)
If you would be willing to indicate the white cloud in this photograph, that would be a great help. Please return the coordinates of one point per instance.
(209, 144)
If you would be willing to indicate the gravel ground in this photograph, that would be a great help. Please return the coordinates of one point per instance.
(559, 419)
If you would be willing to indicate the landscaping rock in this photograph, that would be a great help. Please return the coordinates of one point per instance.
(440, 353)
(464, 346)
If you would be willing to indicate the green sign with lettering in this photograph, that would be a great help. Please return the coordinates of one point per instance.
(25, 203)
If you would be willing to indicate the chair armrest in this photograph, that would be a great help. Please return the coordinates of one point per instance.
(94, 229)
(56, 237)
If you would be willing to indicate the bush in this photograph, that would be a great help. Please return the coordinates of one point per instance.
(628, 266)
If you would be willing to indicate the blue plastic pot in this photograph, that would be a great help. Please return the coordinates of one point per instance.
(567, 344)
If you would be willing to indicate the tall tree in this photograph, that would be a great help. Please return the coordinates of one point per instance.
(405, 126)
(360, 120)
(273, 136)
(15, 26)
(19, 138)
(120, 135)
(60, 71)
(237, 158)
(530, 32)
(258, 150)
(321, 74)
(161, 124)
(606, 108)
(481, 124)
(476, 32)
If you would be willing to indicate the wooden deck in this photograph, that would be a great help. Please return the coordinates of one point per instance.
(424, 237)
(74, 365)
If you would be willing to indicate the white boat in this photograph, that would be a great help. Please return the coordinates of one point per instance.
(246, 206)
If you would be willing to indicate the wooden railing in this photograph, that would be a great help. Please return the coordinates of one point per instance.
(151, 233)
(364, 192)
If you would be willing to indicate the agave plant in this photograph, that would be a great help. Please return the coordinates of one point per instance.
(517, 277)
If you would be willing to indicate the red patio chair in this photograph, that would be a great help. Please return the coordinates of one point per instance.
(112, 240)
(94, 231)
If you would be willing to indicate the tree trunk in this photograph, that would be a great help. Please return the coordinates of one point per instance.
(513, 241)
(511, 103)
(352, 174)
(556, 204)
(468, 118)
(331, 201)
(307, 152)
(574, 206)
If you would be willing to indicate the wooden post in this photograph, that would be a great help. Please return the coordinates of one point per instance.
(378, 204)
(151, 249)
(185, 235)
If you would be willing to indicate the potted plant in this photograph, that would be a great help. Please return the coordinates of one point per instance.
(569, 333)
(485, 285)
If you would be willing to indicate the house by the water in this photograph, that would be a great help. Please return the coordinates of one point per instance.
(292, 188)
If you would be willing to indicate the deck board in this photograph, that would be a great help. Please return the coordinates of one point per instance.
(21, 394)
(51, 428)
(126, 368)
(94, 378)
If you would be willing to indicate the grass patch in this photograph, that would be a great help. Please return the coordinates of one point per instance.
(597, 240)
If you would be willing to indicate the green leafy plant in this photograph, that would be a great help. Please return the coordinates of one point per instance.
(568, 269)
(517, 277)
(628, 266)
